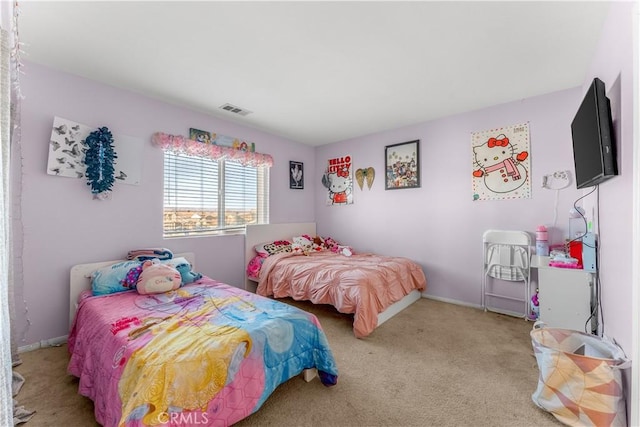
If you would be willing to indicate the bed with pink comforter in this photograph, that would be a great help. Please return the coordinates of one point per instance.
(205, 354)
(361, 284)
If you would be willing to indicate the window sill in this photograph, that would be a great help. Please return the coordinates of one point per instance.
(215, 233)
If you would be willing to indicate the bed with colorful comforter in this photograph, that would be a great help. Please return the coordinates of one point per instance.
(204, 354)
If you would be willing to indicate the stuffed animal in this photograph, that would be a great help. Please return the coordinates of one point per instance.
(335, 247)
(535, 307)
(186, 274)
(157, 278)
(331, 244)
(345, 250)
(131, 279)
(318, 244)
(302, 244)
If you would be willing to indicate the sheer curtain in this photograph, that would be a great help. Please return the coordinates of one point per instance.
(6, 375)
(10, 96)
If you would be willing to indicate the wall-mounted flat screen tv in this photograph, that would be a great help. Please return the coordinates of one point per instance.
(594, 153)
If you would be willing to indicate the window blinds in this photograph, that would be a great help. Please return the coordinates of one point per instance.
(206, 196)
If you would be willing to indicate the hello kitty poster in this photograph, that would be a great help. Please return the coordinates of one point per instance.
(501, 163)
(338, 180)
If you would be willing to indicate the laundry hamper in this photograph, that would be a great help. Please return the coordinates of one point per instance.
(580, 379)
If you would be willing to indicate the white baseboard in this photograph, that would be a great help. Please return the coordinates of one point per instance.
(452, 301)
(52, 342)
(478, 306)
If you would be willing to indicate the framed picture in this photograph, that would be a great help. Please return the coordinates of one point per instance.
(200, 135)
(296, 175)
(402, 165)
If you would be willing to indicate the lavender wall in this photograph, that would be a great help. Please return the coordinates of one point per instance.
(63, 226)
(439, 225)
(613, 64)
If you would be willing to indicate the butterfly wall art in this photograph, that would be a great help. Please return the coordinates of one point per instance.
(67, 151)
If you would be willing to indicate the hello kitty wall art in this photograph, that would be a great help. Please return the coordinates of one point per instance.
(338, 180)
(501, 163)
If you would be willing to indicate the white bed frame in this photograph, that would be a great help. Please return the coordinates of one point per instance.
(80, 279)
(256, 234)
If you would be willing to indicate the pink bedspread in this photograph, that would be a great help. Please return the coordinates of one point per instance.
(362, 284)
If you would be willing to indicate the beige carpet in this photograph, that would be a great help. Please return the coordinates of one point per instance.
(434, 364)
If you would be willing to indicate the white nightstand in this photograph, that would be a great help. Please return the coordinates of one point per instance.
(565, 295)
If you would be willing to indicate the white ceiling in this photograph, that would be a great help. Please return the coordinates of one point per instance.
(320, 72)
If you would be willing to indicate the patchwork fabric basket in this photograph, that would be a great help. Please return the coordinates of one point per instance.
(580, 381)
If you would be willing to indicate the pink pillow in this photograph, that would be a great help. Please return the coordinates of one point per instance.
(157, 278)
(253, 268)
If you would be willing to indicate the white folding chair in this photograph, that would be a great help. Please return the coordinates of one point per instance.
(507, 257)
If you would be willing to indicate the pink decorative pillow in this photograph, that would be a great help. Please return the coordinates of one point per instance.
(270, 248)
(253, 268)
(157, 278)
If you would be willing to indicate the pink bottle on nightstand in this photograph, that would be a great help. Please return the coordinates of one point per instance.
(542, 241)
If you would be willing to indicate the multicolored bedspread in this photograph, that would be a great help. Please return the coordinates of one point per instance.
(205, 354)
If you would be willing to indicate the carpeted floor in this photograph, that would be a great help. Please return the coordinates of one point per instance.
(434, 364)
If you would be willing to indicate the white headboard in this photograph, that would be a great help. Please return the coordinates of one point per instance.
(80, 278)
(262, 233)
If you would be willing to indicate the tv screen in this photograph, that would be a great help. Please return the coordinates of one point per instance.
(592, 132)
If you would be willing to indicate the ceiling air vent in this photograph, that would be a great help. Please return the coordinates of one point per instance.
(233, 109)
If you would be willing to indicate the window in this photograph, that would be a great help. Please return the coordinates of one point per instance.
(204, 196)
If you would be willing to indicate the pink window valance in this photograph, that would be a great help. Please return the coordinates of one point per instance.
(182, 145)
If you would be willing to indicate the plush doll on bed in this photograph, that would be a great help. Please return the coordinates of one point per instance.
(337, 248)
(187, 275)
(330, 244)
(302, 244)
(156, 278)
(306, 244)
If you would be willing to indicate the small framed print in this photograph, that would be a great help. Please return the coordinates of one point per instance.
(296, 175)
(200, 135)
(402, 165)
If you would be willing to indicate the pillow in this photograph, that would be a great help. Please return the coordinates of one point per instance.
(110, 279)
(253, 268)
(184, 268)
(270, 248)
(157, 278)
